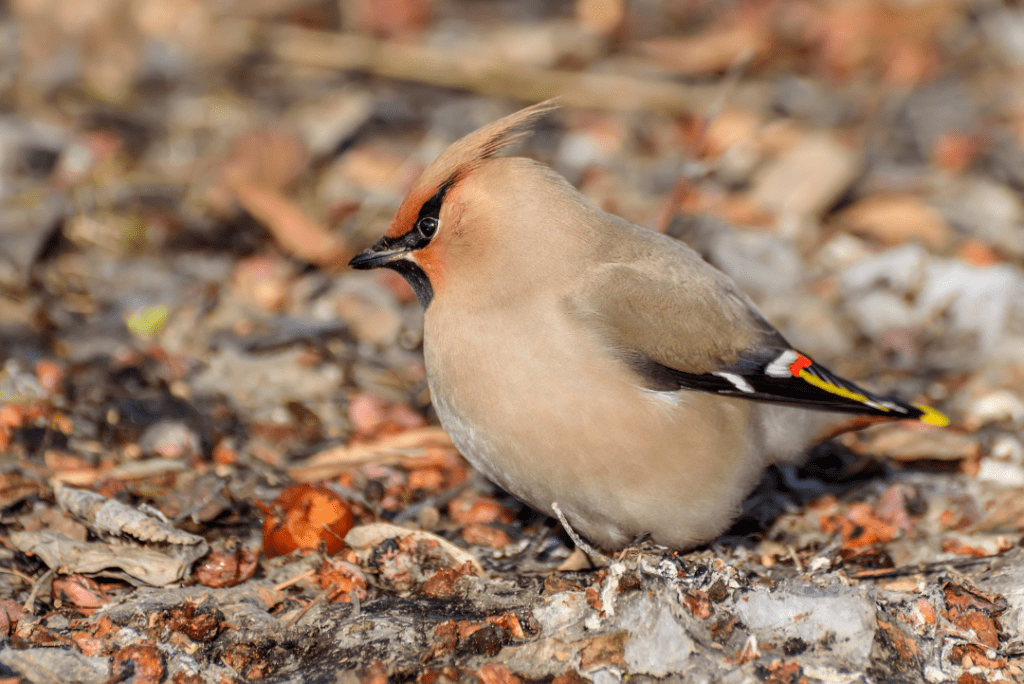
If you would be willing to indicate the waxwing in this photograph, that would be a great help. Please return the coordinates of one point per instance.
(594, 368)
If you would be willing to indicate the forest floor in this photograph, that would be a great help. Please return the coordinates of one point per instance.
(187, 363)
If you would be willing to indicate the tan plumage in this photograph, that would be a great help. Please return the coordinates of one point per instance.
(577, 358)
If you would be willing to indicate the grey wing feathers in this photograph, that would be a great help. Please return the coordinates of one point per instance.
(672, 308)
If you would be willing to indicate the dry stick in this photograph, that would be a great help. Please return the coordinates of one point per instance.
(576, 539)
(328, 463)
(353, 597)
(29, 606)
(503, 78)
(795, 558)
(294, 621)
(27, 578)
(294, 580)
(725, 89)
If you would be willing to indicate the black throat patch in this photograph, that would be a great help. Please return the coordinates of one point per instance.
(417, 279)
(414, 240)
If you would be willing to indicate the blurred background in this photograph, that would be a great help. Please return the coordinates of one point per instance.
(182, 184)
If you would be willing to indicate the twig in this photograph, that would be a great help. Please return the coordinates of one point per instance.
(496, 78)
(19, 574)
(796, 558)
(294, 621)
(294, 580)
(331, 462)
(353, 597)
(725, 89)
(580, 543)
(922, 569)
(29, 606)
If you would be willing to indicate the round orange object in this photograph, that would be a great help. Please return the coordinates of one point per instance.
(302, 517)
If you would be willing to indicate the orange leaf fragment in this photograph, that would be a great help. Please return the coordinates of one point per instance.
(223, 569)
(478, 509)
(485, 535)
(80, 591)
(344, 578)
(309, 515)
(860, 527)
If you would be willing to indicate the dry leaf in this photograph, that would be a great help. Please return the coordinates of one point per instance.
(111, 517)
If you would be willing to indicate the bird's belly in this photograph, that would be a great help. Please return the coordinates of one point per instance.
(619, 461)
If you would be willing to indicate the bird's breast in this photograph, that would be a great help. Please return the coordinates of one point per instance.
(546, 410)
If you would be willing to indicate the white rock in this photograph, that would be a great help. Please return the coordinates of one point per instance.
(326, 124)
(996, 407)
(1006, 581)
(578, 151)
(983, 304)
(841, 251)
(813, 614)
(560, 611)
(658, 645)
(1005, 30)
(977, 299)
(605, 676)
(48, 664)
(265, 381)
(170, 439)
(988, 210)
(878, 311)
(1001, 473)
(1007, 448)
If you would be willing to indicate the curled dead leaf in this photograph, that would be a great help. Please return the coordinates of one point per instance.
(304, 516)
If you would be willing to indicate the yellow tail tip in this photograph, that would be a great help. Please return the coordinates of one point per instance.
(932, 417)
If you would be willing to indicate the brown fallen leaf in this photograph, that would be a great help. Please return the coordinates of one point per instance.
(112, 518)
(272, 159)
(493, 673)
(859, 527)
(343, 579)
(223, 569)
(897, 219)
(364, 538)
(386, 450)
(295, 231)
(908, 442)
(476, 534)
(81, 592)
(710, 52)
(143, 664)
(155, 567)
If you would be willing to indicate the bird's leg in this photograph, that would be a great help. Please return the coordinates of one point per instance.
(580, 543)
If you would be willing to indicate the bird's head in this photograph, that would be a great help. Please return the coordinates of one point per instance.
(444, 207)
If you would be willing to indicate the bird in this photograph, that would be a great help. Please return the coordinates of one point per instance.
(595, 369)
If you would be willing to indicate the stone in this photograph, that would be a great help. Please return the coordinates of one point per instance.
(842, 616)
(47, 665)
(658, 645)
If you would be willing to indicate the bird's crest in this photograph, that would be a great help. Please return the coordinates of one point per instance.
(463, 156)
(485, 142)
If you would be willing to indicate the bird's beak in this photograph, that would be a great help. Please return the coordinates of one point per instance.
(380, 254)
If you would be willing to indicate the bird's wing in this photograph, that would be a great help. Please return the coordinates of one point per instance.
(681, 324)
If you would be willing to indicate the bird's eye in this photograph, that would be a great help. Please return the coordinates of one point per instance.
(427, 226)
